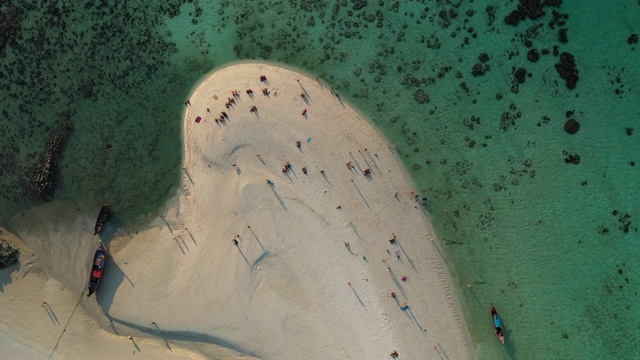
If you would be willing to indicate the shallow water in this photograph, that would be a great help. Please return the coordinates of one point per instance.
(549, 243)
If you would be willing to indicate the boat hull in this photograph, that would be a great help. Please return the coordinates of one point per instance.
(496, 322)
(97, 269)
(102, 219)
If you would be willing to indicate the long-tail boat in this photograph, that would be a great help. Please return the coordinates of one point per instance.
(97, 269)
(497, 324)
(102, 218)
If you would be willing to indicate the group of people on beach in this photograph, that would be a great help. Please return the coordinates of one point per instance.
(287, 168)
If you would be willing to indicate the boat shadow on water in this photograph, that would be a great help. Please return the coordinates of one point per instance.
(510, 347)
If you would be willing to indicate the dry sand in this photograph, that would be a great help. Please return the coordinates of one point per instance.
(313, 270)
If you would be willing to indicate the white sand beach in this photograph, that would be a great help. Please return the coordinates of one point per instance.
(313, 270)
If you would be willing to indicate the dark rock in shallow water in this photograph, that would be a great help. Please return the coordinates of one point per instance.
(571, 158)
(520, 75)
(571, 126)
(8, 255)
(633, 39)
(484, 57)
(629, 131)
(479, 69)
(567, 70)
(533, 55)
(531, 9)
(421, 97)
(513, 18)
(554, 3)
(562, 36)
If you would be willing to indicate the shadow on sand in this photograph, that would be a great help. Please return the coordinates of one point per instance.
(190, 336)
(51, 313)
(5, 275)
(357, 296)
(273, 188)
(112, 279)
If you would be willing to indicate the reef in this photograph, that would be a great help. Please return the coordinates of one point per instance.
(562, 36)
(571, 158)
(42, 178)
(421, 97)
(9, 27)
(8, 254)
(568, 70)
(571, 126)
(531, 9)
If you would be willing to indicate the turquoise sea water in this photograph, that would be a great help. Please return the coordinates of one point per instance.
(551, 244)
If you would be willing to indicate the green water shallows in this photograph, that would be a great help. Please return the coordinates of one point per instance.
(550, 244)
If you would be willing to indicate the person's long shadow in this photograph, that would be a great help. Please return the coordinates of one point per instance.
(441, 353)
(188, 175)
(324, 175)
(135, 344)
(398, 283)
(287, 175)
(307, 97)
(412, 317)
(258, 240)
(355, 230)
(362, 196)
(244, 257)
(277, 196)
(52, 315)
(192, 238)
(374, 162)
(407, 256)
(184, 243)
(179, 245)
(167, 223)
(348, 246)
(365, 160)
(357, 296)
